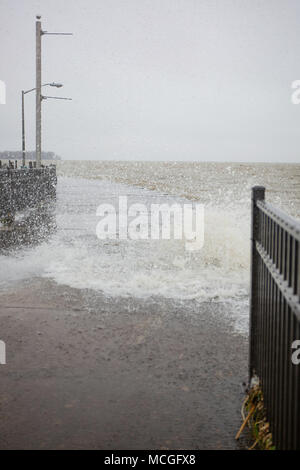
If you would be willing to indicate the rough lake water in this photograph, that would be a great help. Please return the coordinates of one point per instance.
(219, 272)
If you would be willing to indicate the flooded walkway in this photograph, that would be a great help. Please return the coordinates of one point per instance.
(101, 368)
(88, 372)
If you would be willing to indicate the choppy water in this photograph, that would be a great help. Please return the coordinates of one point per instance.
(218, 185)
(75, 257)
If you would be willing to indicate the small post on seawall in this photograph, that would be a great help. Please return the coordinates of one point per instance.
(23, 131)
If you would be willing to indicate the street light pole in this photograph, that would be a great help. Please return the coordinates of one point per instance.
(38, 135)
(38, 35)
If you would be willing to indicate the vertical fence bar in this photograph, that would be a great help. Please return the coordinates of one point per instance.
(258, 193)
(277, 385)
(296, 440)
(296, 368)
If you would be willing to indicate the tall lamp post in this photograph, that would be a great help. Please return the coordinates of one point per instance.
(39, 97)
(57, 85)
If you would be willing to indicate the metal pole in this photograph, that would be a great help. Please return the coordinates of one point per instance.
(258, 194)
(23, 130)
(38, 93)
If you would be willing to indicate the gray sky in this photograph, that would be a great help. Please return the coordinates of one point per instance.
(156, 79)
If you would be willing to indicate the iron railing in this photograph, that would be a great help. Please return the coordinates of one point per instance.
(275, 317)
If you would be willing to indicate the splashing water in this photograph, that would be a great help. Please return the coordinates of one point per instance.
(75, 257)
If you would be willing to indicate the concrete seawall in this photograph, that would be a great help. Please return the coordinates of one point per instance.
(25, 187)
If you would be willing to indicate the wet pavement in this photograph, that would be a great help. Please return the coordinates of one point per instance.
(85, 371)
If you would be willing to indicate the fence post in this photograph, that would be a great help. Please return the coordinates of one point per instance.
(258, 194)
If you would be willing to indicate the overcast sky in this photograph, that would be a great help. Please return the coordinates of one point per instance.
(156, 79)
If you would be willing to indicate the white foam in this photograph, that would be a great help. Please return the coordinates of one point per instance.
(142, 268)
(75, 257)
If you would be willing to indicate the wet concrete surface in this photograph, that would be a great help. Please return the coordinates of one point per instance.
(85, 371)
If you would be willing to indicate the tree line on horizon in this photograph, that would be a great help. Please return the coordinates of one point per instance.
(17, 155)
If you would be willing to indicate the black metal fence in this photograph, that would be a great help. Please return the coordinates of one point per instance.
(275, 317)
(22, 188)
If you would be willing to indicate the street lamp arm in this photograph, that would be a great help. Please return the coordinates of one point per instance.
(45, 84)
(55, 98)
(51, 84)
(57, 34)
(28, 91)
